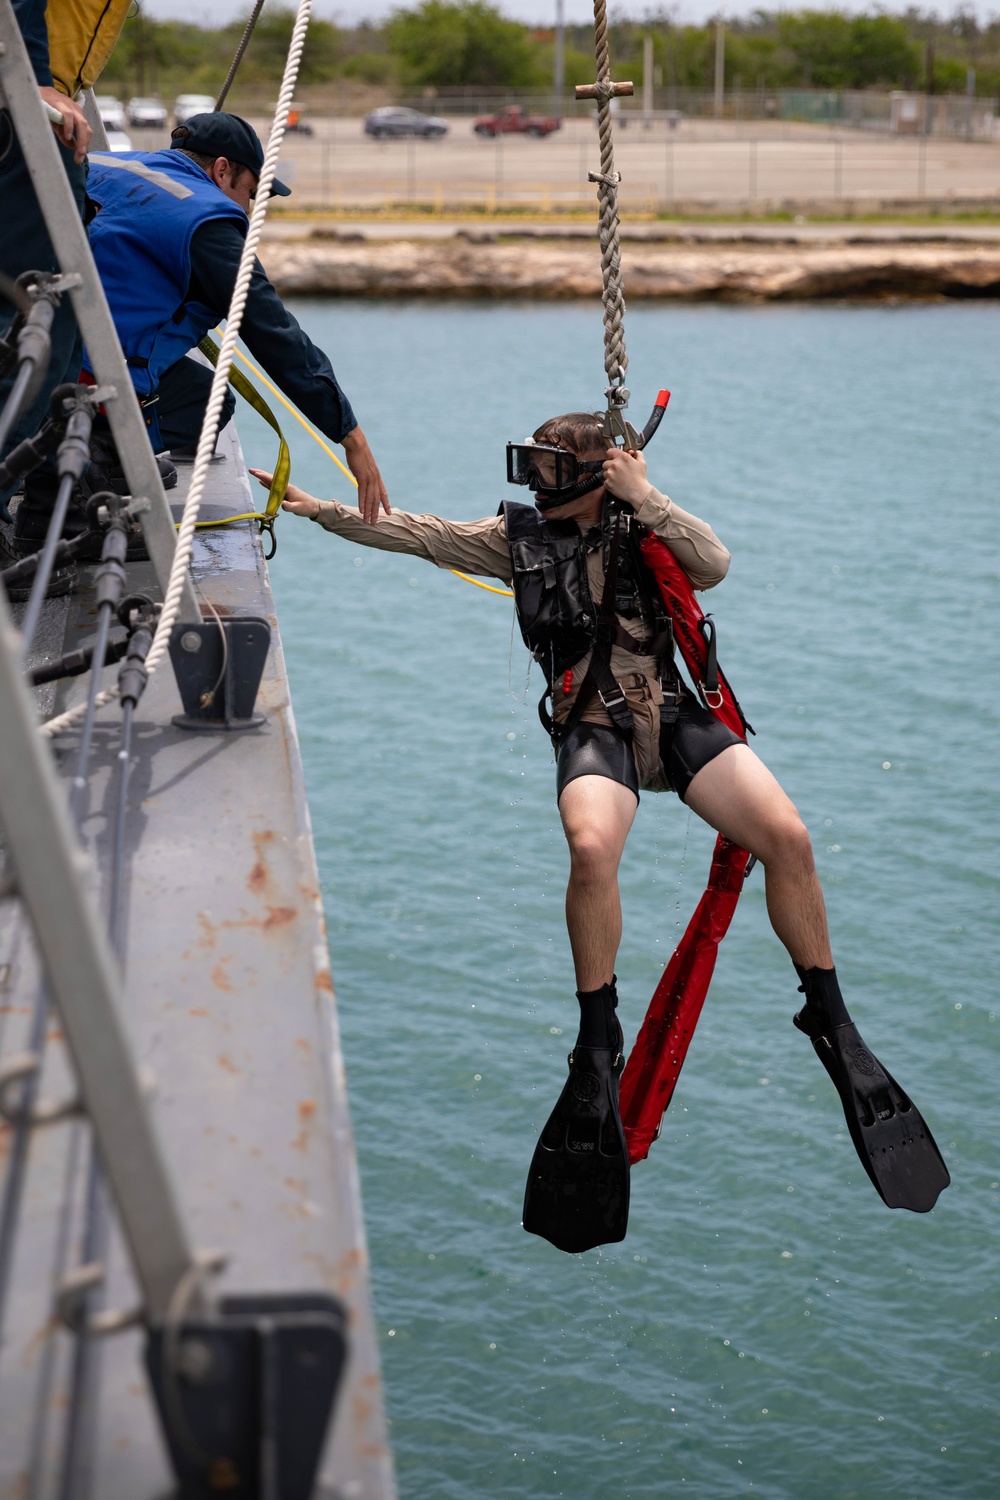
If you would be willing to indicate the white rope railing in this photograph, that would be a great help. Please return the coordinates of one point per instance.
(213, 410)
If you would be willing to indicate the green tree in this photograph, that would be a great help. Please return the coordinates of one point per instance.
(881, 52)
(449, 43)
(265, 57)
(833, 51)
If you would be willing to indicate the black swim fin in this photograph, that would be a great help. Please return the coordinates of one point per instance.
(893, 1142)
(577, 1192)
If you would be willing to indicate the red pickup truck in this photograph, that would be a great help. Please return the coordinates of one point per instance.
(513, 120)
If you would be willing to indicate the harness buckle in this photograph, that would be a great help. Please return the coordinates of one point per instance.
(614, 701)
(711, 697)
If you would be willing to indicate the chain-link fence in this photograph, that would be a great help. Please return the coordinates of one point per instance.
(706, 165)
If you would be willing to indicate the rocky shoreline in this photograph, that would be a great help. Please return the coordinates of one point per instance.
(659, 263)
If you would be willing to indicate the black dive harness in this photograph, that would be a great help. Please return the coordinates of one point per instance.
(560, 624)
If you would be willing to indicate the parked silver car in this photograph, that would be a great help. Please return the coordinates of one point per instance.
(396, 120)
(147, 114)
(111, 111)
(187, 105)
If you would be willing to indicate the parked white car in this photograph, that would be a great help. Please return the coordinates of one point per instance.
(192, 104)
(111, 111)
(119, 141)
(149, 114)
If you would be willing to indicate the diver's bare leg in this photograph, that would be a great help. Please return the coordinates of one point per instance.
(596, 814)
(739, 797)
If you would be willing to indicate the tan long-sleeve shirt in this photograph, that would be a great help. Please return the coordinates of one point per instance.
(480, 547)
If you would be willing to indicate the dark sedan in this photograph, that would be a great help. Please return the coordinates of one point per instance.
(396, 120)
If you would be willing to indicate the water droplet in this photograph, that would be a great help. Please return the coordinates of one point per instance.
(477, 1077)
(392, 1333)
(786, 1255)
(511, 735)
(887, 765)
(358, 561)
(958, 1005)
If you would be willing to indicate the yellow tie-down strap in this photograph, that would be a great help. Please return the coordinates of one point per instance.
(282, 469)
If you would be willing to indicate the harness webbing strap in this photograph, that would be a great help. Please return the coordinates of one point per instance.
(599, 679)
(283, 467)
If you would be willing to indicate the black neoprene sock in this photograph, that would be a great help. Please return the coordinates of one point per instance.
(598, 1022)
(823, 997)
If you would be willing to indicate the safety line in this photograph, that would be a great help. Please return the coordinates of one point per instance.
(489, 587)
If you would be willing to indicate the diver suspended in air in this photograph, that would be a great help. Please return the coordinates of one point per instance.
(594, 616)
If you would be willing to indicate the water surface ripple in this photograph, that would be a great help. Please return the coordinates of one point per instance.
(768, 1326)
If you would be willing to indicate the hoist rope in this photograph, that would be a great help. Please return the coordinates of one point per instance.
(615, 356)
(244, 42)
(220, 380)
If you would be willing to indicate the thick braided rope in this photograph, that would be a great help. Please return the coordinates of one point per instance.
(244, 43)
(615, 356)
(209, 430)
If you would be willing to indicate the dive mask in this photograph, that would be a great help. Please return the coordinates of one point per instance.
(555, 472)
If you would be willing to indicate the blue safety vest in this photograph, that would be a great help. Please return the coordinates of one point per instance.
(151, 203)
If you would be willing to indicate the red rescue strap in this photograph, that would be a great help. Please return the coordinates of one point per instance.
(656, 1060)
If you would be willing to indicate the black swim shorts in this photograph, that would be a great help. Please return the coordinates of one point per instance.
(600, 750)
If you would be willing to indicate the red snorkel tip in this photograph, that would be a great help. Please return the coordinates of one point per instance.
(662, 397)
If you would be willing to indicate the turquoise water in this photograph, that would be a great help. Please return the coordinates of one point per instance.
(768, 1326)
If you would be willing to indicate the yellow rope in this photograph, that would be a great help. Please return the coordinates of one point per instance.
(296, 414)
(489, 587)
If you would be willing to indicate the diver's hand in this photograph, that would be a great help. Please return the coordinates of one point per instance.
(371, 490)
(625, 475)
(296, 500)
(74, 130)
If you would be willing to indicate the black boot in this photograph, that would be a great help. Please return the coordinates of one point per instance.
(893, 1143)
(107, 473)
(63, 580)
(31, 520)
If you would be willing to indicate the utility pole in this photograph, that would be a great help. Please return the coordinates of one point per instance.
(559, 81)
(720, 67)
(647, 81)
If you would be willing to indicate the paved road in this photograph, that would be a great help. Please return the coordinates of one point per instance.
(698, 162)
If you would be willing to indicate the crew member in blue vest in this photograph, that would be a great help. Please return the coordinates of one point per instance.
(167, 237)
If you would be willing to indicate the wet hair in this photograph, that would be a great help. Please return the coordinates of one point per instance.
(579, 431)
(208, 162)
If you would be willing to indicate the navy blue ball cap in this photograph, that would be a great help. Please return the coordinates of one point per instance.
(225, 135)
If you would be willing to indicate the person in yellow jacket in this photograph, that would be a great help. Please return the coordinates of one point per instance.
(68, 44)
